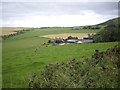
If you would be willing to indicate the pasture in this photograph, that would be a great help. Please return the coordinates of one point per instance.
(20, 59)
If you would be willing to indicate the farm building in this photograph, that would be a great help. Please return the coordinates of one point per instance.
(87, 40)
(72, 41)
(79, 42)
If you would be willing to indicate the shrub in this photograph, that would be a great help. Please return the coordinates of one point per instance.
(100, 72)
(70, 37)
(109, 34)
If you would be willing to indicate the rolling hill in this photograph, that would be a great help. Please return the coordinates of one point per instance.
(114, 21)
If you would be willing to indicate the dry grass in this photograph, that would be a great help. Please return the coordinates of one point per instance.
(65, 35)
(9, 30)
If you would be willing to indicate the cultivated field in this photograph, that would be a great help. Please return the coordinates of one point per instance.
(20, 58)
(65, 35)
(10, 30)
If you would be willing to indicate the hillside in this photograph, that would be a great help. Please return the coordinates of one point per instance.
(110, 22)
(114, 21)
(110, 32)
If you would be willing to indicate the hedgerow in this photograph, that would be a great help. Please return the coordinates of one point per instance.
(99, 71)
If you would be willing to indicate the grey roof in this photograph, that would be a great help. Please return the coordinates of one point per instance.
(72, 40)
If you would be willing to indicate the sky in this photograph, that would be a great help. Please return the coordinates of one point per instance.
(44, 14)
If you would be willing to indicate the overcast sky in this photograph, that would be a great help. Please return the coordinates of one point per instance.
(38, 14)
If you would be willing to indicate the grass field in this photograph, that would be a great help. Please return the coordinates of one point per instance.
(20, 58)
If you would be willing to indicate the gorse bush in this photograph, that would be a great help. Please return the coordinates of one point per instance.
(100, 71)
(109, 34)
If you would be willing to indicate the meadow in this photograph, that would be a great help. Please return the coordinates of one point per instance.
(19, 58)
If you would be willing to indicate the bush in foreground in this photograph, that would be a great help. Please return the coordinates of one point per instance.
(101, 71)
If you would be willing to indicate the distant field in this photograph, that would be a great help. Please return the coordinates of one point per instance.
(20, 58)
(9, 30)
(65, 35)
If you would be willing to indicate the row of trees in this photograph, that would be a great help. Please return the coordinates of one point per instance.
(86, 27)
(91, 27)
(71, 37)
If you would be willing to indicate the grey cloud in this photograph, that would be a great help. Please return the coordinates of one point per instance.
(43, 8)
(18, 10)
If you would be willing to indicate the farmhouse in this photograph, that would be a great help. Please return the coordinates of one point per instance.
(87, 40)
(79, 42)
(72, 41)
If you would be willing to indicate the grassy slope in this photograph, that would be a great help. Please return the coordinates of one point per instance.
(115, 20)
(19, 58)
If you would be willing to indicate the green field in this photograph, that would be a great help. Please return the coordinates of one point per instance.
(20, 58)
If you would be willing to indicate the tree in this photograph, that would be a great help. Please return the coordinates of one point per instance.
(109, 34)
